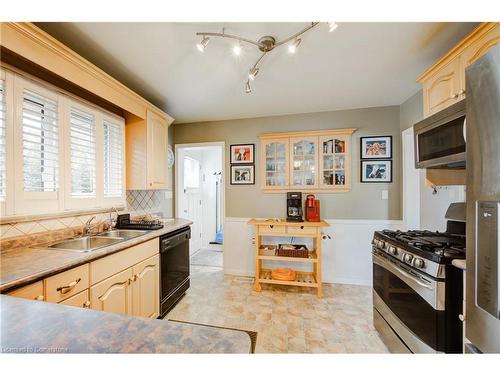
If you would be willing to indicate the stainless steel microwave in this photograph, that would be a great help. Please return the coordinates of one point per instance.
(440, 139)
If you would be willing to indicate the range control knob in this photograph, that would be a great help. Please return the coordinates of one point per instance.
(381, 245)
(407, 258)
(419, 263)
(393, 250)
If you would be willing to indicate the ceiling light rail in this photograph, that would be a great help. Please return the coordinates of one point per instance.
(265, 44)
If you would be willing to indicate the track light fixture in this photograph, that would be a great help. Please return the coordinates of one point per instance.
(293, 47)
(252, 73)
(201, 46)
(265, 44)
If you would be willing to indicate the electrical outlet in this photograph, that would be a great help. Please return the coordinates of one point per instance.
(385, 194)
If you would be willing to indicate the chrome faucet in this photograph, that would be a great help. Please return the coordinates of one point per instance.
(112, 222)
(87, 228)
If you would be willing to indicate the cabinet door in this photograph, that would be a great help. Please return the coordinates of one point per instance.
(303, 162)
(275, 168)
(32, 291)
(476, 50)
(78, 300)
(146, 288)
(334, 162)
(442, 89)
(113, 294)
(157, 151)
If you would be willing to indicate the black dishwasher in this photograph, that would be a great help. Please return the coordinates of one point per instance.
(174, 268)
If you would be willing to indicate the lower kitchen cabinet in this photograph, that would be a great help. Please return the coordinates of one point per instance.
(31, 291)
(127, 282)
(146, 288)
(79, 300)
(113, 294)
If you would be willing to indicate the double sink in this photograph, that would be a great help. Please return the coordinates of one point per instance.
(91, 243)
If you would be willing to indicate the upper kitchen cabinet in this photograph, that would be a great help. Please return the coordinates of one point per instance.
(444, 82)
(310, 161)
(147, 148)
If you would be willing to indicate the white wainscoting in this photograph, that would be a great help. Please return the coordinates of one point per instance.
(346, 257)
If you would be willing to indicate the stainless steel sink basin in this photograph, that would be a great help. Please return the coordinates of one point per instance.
(123, 233)
(85, 244)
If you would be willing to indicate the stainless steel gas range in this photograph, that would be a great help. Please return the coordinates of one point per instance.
(417, 293)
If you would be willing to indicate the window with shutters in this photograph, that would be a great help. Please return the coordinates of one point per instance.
(66, 154)
(82, 141)
(113, 159)
(3, 141)
(40, 140)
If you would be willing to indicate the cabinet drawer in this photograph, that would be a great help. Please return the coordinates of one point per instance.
(112, 264)
(302, 230)
(272, 229)
(32, 291)
(81, 299)
(67, 284)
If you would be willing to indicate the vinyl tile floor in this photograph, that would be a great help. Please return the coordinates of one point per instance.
(287, 319)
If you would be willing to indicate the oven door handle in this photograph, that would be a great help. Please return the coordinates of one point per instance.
(391, 267)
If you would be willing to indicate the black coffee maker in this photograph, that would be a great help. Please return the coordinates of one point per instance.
(294, 206)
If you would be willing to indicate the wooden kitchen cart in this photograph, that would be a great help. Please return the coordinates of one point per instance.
(282, 228)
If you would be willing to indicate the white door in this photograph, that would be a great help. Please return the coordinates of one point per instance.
(190, 199)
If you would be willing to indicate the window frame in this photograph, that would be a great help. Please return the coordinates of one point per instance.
(27, 202)
(71, 201)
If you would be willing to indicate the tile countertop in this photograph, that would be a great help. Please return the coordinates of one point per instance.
(21, 266)
(41, 327)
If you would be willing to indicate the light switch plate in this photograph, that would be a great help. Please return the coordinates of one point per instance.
(385, 194)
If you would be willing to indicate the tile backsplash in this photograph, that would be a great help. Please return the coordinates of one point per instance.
(149, 201)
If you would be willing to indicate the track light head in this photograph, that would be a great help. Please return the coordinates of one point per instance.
(253, 73)
(248, 89)
(332, 26)
(201, 46)
(293, 47)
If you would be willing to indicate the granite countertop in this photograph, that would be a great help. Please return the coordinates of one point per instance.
(40, 327)
(21, 266)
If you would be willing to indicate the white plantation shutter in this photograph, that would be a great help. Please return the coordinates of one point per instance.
(113, 159)
(82, 153)
(3, 160)
(40, 143)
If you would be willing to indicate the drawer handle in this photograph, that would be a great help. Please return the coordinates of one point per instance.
(86, 305)
(39, 298)
(65, 289)
(301, 227)
(271, 226)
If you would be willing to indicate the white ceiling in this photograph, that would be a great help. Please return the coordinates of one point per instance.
(358, 65)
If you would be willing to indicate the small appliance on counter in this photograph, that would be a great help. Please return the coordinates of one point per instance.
(123, 221)
(312, 208)
(294, 206)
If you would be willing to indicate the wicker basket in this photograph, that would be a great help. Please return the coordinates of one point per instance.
(292, 250)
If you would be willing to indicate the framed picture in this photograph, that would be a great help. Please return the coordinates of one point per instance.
(376, 171)
(242, 174)
(376, 147)
(242, 154)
